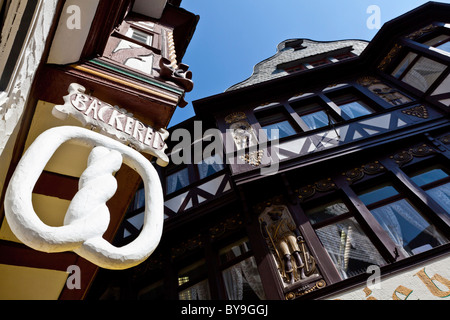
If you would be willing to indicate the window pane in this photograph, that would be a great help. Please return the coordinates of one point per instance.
(423, 74)
(445, 46)
(242, 281)
(178, 180)
(441, 195)
(326, 211)
(407, 228)
(355, 109)
(317, 119)
(404, 64)
(441, 42)
(279, 130)
(141, 36)
(430, 175)
(349, 248)
(210, 166)
(436, 40)
(378, 194)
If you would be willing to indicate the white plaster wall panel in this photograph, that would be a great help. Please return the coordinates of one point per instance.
(293, 146)
(382, 122)
(188, 205)
(63, 51)
(212, 186)
(201, 199)
(175, 203)
(137, 221)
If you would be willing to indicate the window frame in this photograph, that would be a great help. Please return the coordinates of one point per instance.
(279, 109)
(409, 44)
(320, 106)
(343, 196)
(366, 102)
(402, 194)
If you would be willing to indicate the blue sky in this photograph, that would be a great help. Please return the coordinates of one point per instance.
(234, 35)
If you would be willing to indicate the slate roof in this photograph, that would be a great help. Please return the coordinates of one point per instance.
(295, 51)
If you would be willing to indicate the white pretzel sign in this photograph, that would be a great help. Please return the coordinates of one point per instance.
(87, 217)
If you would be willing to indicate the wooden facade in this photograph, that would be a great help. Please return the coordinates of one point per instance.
(372, 120)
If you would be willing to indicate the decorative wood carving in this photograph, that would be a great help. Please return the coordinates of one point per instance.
(385, 92)
(286, 244)
(305, 289)
(390, 56)
(421, 32)
(308, 191)
(244, 137)
(356, 174)
(417, 111)
(445, 139)
(180, 75)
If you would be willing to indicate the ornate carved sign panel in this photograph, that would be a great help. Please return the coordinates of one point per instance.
(287, 246)
(114, 122)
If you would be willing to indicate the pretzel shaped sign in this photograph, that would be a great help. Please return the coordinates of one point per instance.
(87, 217)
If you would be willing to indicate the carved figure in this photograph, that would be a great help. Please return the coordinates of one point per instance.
(243, 135)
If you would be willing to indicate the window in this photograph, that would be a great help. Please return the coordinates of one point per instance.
(140, 36)
(352, 106)
(424, 73)
(276, 125)
(297, 68)
(314, 115)
(406, 62)
(419, 72)
(177, 180)
(436, 183)
(192, 283)
(401, 220)
(210, 166)
(344, 56)
(349, 248)
(138, 200)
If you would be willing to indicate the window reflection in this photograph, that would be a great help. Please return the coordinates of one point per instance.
(347, 245)
(436, 183)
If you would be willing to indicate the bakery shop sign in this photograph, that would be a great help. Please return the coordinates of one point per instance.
(114, 122)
